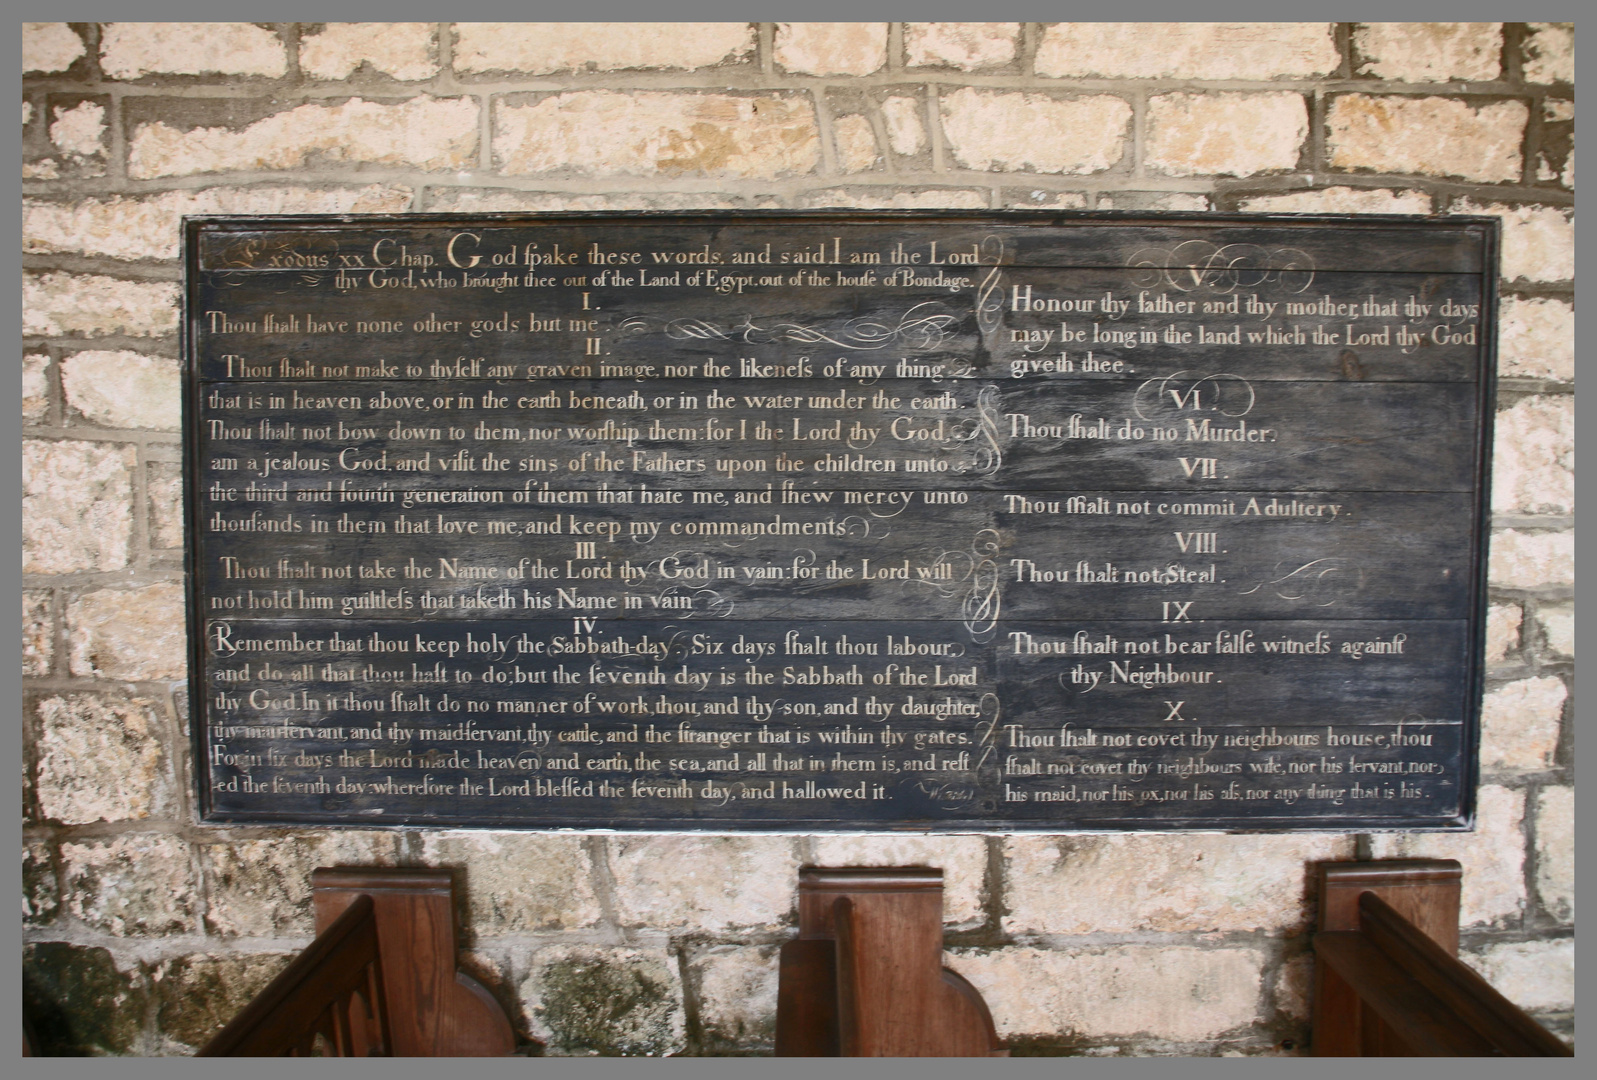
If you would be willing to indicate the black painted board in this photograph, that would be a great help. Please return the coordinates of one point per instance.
(931, 521)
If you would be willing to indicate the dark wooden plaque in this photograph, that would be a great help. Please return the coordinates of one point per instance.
(916, 521)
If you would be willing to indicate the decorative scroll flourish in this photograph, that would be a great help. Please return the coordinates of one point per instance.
(1199, 265)
(952, 586)
(985, 768)
(234, 279)
(677, 329)
(1321, 582)
(981, 607)
(243, 253)
(1187, 392)
(986, 727)
(858, 527)
(984, 432)
(1414, 719)
(979, 584)
(703, 601)
(716, 605)
(953, 367)
(251, 253)
(990, 292)
(924, 326)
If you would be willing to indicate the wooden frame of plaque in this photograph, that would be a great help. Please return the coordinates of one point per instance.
(924, 521)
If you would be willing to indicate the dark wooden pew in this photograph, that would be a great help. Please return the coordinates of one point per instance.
(865, 977)
(1388, 981)
(379, 980)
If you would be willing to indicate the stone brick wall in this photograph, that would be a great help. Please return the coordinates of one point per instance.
(144, 930)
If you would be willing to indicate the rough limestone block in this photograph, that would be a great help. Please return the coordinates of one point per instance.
(1520, 722)
(1002, 130)
(605, 133)
(963, 45)
(520, 882)
(1555, 852)
(131, 886)
(1555, 156)
(1225, 134)
(856, 143)
(1502, 631)
(1558, 628)
(962, 859)
(75, 506)
(1293, 992)
(1535, 975)
(831, 48)
(1160, 882)
(1550, 53)
(163, 485)
(1188, 50)
(402, 50)
(1064, 200)
(1493, 856)
(198, 994)
(1177, 200)
(906, 129)
(1527, 560)
(1434, 136)
(1538, 241)
(1341, 200)
(1533, 456)
(1536, 339)
(480, 200)
(150, 227)
(38, 633)
(1174, 992)
(135, 634)
(889, 199)
(1430, 52)
(85, 1002)
(100, 759)
(91, 305)
(50, 46)
(422, 132)
(36, 387)
(548, 48)
(40, 901)
(262, 888)
(124, 389)
(736, 989)
(79, 132)
(133, 50)
(1149, 200)
(42, 169)
(706, 883)
(588, 999)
